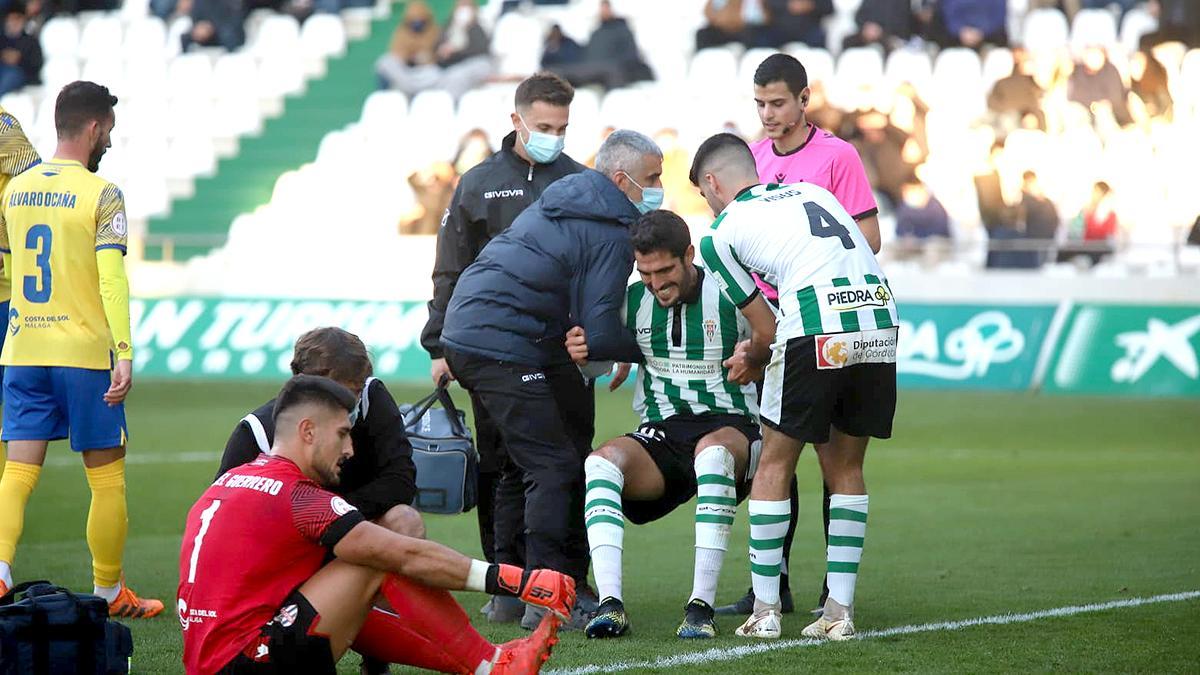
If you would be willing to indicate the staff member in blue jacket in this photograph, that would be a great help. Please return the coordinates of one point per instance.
(565, 261)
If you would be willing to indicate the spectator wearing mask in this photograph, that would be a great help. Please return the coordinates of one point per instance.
(881, 22)
(217, 23)
(798, 21)
(20, 53)
(1095, 81)
(971, 23)
(412, 53)
(1017, 95)
(611, 58)
(1148, 80)
(743, 21)
(560, 49)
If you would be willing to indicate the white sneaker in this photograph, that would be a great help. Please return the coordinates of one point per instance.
(830, 629)
(765, 623)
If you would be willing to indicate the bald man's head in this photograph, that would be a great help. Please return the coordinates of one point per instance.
(722, 168)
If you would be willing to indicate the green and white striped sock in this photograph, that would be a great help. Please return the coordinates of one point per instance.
(605, 523)
(768, 527)
(847, 529)
(716, 506)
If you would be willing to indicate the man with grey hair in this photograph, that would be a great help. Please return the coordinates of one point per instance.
(564, 262)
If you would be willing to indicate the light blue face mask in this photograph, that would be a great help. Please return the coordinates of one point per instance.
(652, 197)
(541, 147)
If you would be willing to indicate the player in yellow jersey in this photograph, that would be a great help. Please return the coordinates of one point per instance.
(16, 155)
(68, 357)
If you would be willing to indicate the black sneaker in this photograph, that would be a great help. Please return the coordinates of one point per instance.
(373, 666)
(698, 621)
(745, 604)
(610, 620)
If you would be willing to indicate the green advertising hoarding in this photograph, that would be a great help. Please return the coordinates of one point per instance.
(1130, 350)
(1141, 350)
(252, 339)
(971, 346)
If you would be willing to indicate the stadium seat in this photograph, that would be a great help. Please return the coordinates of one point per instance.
(1093, 27)
(818, 63)
(57, 72)
(190, 76)
(997, 64)
(20, 105)
(235, 76)
(145, 38)
(146, 196)
(60, 37)
(100, 37)
(322, 37)
(1045, 29)
(145, 77)
(908, 65)
(517, 44)
(279, 75)
(958, 81)
(190, 157)
(1137, 22)
(107, 70)
(713, 69)
(384, 110)
(750, 62)
(132, 11)
(277, 36)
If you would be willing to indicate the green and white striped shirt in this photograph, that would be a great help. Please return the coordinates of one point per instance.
(799, 238)
(684, 347)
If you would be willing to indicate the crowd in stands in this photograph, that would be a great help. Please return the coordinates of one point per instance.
(1102, 107)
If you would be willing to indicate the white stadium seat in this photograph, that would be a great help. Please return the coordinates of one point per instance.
(279, 35)
(1045, 29)
(750, 62)
(714, 68)
(908, 65)
(58, 72)
(190, 76)
(384, 109)
(145, 38)
(818, 63)
(235, 76)
(60, 37)
(323, 34)
(1137, 22)
(1093, 27)
(100, 37)
(107, 70)
(996, 65)
(20, 105)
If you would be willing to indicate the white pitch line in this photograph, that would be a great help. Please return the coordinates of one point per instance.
(137, 457)
(741, 652)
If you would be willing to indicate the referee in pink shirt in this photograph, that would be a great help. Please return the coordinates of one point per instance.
(797, 151)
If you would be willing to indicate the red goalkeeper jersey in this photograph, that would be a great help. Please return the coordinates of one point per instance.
(259, 532)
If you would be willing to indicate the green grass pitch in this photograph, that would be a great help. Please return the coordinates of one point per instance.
(982, 504)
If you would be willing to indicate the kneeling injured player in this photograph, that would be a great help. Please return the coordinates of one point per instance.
(260, 592)
(699, 431)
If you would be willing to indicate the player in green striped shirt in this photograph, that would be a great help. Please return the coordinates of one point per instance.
(699, 432)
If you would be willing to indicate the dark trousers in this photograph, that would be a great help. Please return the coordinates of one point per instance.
(492, 460)
(545, 418)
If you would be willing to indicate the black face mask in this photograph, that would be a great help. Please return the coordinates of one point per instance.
(418, 25)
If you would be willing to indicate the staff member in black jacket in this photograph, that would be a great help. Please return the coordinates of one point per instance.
(564, 262)
(380, 479)
(488, 198)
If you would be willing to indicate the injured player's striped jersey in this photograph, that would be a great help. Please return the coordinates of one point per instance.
(800, 240)
(684, 347)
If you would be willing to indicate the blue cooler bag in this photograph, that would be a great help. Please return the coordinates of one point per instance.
(52, 631)
(443, 452)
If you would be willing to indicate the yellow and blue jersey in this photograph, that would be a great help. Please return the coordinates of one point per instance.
(16, 155)
(53, 220)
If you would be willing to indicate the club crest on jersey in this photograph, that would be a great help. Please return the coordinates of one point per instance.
(710, 329)
(831, 352)
(14, 321)
(287, 616)
(340, 506)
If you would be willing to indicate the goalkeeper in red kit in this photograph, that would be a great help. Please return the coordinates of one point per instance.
(279, 575)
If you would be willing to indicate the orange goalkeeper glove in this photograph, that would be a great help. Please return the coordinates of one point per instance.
(545, 588)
